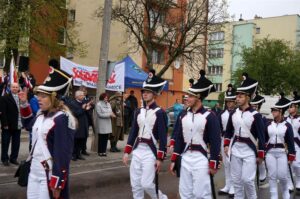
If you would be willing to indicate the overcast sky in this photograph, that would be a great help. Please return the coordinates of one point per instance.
(263, 8)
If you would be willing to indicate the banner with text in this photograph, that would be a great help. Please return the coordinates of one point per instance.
(82, 75)
(116, 81)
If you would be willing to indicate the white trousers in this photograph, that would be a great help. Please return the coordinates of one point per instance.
(243, 171)
(194, 180)
(228, 181)
(277, 170)
(37, 182)
(296, 167)
(262, 171)
(142, 173)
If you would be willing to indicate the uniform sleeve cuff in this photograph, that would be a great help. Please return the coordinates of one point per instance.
(25, 111)
(172, 143)
(54, 182)
(160, 155)
(174, 157)
(128, 149)
(226, 142)
(291, 157)
(213, 164)
(261, 154)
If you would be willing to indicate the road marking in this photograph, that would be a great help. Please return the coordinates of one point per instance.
(96, 170)
(75, 174)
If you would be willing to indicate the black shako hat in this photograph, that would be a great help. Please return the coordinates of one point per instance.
(230, 93)
(257, 100)
(283, 103)
(57, 82)
(53, 63)
(153, 83)
(296, 99)
(248, 85)
(202, 87)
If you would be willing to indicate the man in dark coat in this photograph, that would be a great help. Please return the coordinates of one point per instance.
(79, 108)
(11, 125)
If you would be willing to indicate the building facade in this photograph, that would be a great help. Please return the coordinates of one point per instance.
(225, 45)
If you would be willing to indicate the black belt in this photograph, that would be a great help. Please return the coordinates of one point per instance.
(144, 140)
(297, 141)
(197, 147)
(242, 139)
(270, 146)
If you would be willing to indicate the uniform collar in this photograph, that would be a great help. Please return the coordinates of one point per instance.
(247, 109)
(294, 117)
(200, 110)
(152, 106)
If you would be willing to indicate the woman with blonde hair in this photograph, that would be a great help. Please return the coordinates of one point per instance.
(52, 139)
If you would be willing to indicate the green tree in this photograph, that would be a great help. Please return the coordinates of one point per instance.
(24, 22)
(273, 63)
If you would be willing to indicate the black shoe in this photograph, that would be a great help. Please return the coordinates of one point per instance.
(85, 153)
(263, 180)
(104, 154)
(231, 195)
(15, 162)
(117, 150)
(291, 190)
(113, 150)
(80, 157)
(6, 163)
(220, 192)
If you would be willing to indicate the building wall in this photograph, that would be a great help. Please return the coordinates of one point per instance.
(89, 28)
(241, 34)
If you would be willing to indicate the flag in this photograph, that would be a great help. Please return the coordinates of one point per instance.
(12, 72)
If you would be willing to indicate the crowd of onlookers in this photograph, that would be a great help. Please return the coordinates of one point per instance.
(110, 117)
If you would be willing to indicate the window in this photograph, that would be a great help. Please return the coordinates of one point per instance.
(71, 15)
(215, 70)
(218, 87)
(156, 17)
(61, 36)
(216, 53)
(216, 36)
(258, 30)
(158, 57)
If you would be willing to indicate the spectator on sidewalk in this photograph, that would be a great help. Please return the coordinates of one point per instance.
(11, 125)
(177, 107)
(117, 122)
(79, 109)
(104, 115)
(89, 114)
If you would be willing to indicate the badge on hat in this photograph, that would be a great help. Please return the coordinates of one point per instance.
(202, 87)
(230, 93)
(153, 83)
(248, 85)
(56, 81)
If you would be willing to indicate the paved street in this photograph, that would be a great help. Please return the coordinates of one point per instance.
(100, 178)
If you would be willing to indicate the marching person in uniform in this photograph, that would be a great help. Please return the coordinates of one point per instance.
(196, 129)
(53, 132)
(294, 120)
(278, 134)
(223, 119)
(149, 127)
(245, 126)
(256, 104)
